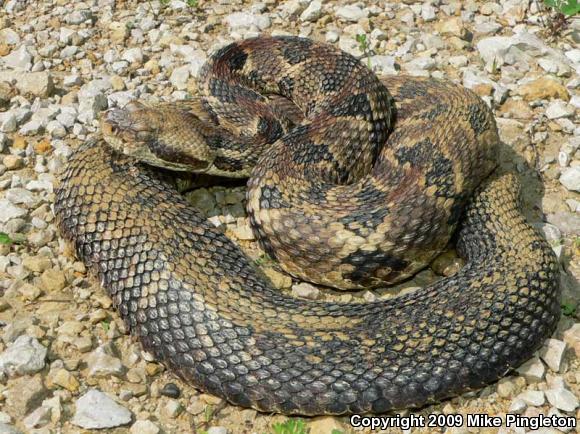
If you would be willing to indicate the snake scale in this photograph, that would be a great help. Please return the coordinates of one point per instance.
(346, 189)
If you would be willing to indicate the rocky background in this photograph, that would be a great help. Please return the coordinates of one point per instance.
(66, 364)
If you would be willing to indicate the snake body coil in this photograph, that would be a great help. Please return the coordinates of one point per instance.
(338, 201)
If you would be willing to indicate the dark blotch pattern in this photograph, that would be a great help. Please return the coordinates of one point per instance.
(417, 155)
(317, 192)
(312, 153)
(353, 105)
(412, 90)
(286, 86)
(435, 112)
(345, 65)
(366, 218)
(368, 263)
(478, 118)
(441, 175)
(228, 163)
(235, 58)
(296, 50)
(330, 83)
(271, 198)
(228, 93)
(270, 129)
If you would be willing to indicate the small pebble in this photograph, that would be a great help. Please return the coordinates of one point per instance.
(553, 354)
(534, 398)
(24, 356)
(517, 406)
(533, 370)
(217, 430)
(96, 410)
(13, 162)
(144, 427)
(563, 399)
(171, 409)
(171, 390)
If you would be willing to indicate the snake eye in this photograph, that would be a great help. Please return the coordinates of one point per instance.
(109, 128)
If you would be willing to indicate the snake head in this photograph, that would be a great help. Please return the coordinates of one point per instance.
(161, 138)
(128, 127)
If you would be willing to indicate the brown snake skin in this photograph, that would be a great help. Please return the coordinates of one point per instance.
(338, 199)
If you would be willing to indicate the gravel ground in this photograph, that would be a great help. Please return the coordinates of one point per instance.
(66, 363)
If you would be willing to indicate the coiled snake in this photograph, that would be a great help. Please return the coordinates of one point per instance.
(339, 199)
